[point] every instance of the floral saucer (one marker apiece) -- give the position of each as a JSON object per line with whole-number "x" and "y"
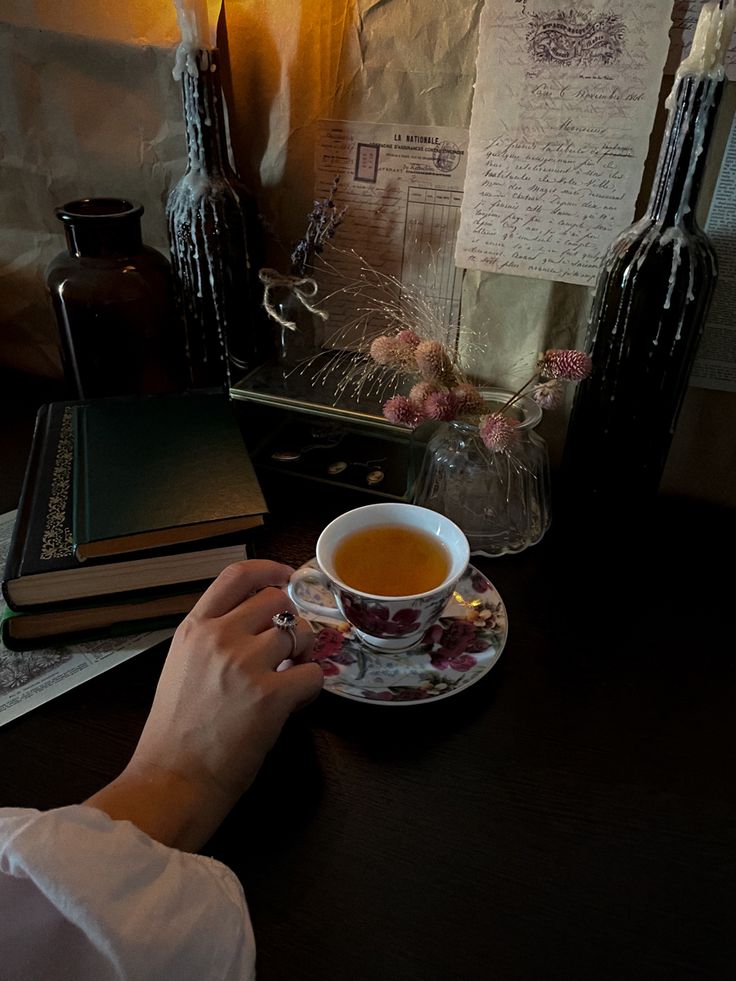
{"x": 460, "y": 647}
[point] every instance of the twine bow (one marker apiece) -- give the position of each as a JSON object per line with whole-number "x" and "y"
{"x": 304, "y": 289}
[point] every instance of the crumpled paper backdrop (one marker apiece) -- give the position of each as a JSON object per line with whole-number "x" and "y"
{"x": 89, "y": 107}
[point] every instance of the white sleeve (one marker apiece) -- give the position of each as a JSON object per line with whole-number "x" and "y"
{"x": 86, "y": 898}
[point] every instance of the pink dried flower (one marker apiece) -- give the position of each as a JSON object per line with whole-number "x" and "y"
{"x": 400, "y": 410}
{"x": 383, "y": 350}
{"x": 468, "y": 399}
{"x": 434, "y": 363}
{"x": 497, "y": 432}
{"x": 393, "y": 351}
{"x": 410, "y": 338}
{"x": 404, "y": 349}
{"x": 570, "y": 365}
{"x": 420, "y": 391}
{"x": 440, "y": 406}
{"x": 548, "y": 394}
{"x": 442, "y": 394}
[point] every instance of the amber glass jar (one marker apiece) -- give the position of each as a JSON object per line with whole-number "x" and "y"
{"x": 112, "y": 296}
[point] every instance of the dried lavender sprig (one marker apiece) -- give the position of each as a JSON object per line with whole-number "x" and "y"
{"x": 323, "y": 220}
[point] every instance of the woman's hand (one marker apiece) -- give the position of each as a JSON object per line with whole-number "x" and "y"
{"x": 219, "y": 707}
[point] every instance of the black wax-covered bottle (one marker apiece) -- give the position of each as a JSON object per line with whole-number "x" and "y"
{"x": 215, "y": 237}
{"x": 648, "y": 313}
{"x": 113, "y": 300}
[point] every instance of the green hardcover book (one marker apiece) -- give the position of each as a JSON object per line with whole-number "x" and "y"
{"x": 153, "y": 472}
{"x": 41, "y": 569}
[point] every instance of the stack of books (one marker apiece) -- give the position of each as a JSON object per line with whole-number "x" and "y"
{"x": 130, "y": 507}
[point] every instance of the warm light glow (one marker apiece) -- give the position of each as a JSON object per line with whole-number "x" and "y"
{"x": 140, "y": 22}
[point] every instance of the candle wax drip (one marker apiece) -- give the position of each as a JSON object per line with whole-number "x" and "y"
{"x": 649, "y": 310}
{"x": 207, "y": 231}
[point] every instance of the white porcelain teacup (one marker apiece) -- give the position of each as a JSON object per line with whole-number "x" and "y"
{"x": 385, "y": 622}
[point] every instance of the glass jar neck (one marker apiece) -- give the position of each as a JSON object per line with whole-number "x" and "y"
{"x": 682, "y": 157}
{"x": 102, "y": 227}
{"x": 204, "y": 114}
{"x": 524, "y": 410}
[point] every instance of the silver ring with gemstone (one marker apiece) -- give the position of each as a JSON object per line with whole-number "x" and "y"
{"x": 286, "y": 620}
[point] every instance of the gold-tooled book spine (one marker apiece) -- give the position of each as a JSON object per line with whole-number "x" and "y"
{"x": 42, "y": 533}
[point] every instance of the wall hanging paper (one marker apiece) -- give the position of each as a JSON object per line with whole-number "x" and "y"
{"x": 563, "y": 107}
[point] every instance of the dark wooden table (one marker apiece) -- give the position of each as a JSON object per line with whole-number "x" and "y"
{"x": 570, "y": 816}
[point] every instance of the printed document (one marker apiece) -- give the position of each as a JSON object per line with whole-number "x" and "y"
{"x": 30, "y": 678}
{"x": 402, "y": 186}
{"x": 715, "y": 364}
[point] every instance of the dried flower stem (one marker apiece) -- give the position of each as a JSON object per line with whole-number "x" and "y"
{"x": 324, "y": 218}
{"x": 517, "y": 394}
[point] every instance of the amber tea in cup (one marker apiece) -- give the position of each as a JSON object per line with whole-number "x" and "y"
{"x": 391, "y": 560}
{"x": 390, "y": 569}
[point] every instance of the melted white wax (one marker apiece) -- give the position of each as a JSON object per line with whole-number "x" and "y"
{"x": 194, "y": 216}
{"x": 704, "y": 62}
{"x": 677, "y": 234}
{"x": 193, "y": 18}
{"x": 710, "y": 43}
{"x": 186, "y": 61}
{"x": 701, "y": 121}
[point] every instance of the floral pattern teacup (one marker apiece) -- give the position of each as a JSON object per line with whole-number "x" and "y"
{"x": 388, "y": 623}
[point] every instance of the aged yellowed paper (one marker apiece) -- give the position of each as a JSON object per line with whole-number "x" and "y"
{"x": 402, "y": 187}
{"x": 563, "y": 107}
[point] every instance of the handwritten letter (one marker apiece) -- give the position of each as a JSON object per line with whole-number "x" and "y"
{"x": 564, "y": 103}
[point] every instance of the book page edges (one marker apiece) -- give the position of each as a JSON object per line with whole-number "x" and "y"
{"x": 165, "y": 536}
{"x": 31, "y": 626}
{"x": 89, "y": 581}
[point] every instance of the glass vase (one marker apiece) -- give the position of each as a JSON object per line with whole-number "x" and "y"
{"x": 500, "y": 500}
